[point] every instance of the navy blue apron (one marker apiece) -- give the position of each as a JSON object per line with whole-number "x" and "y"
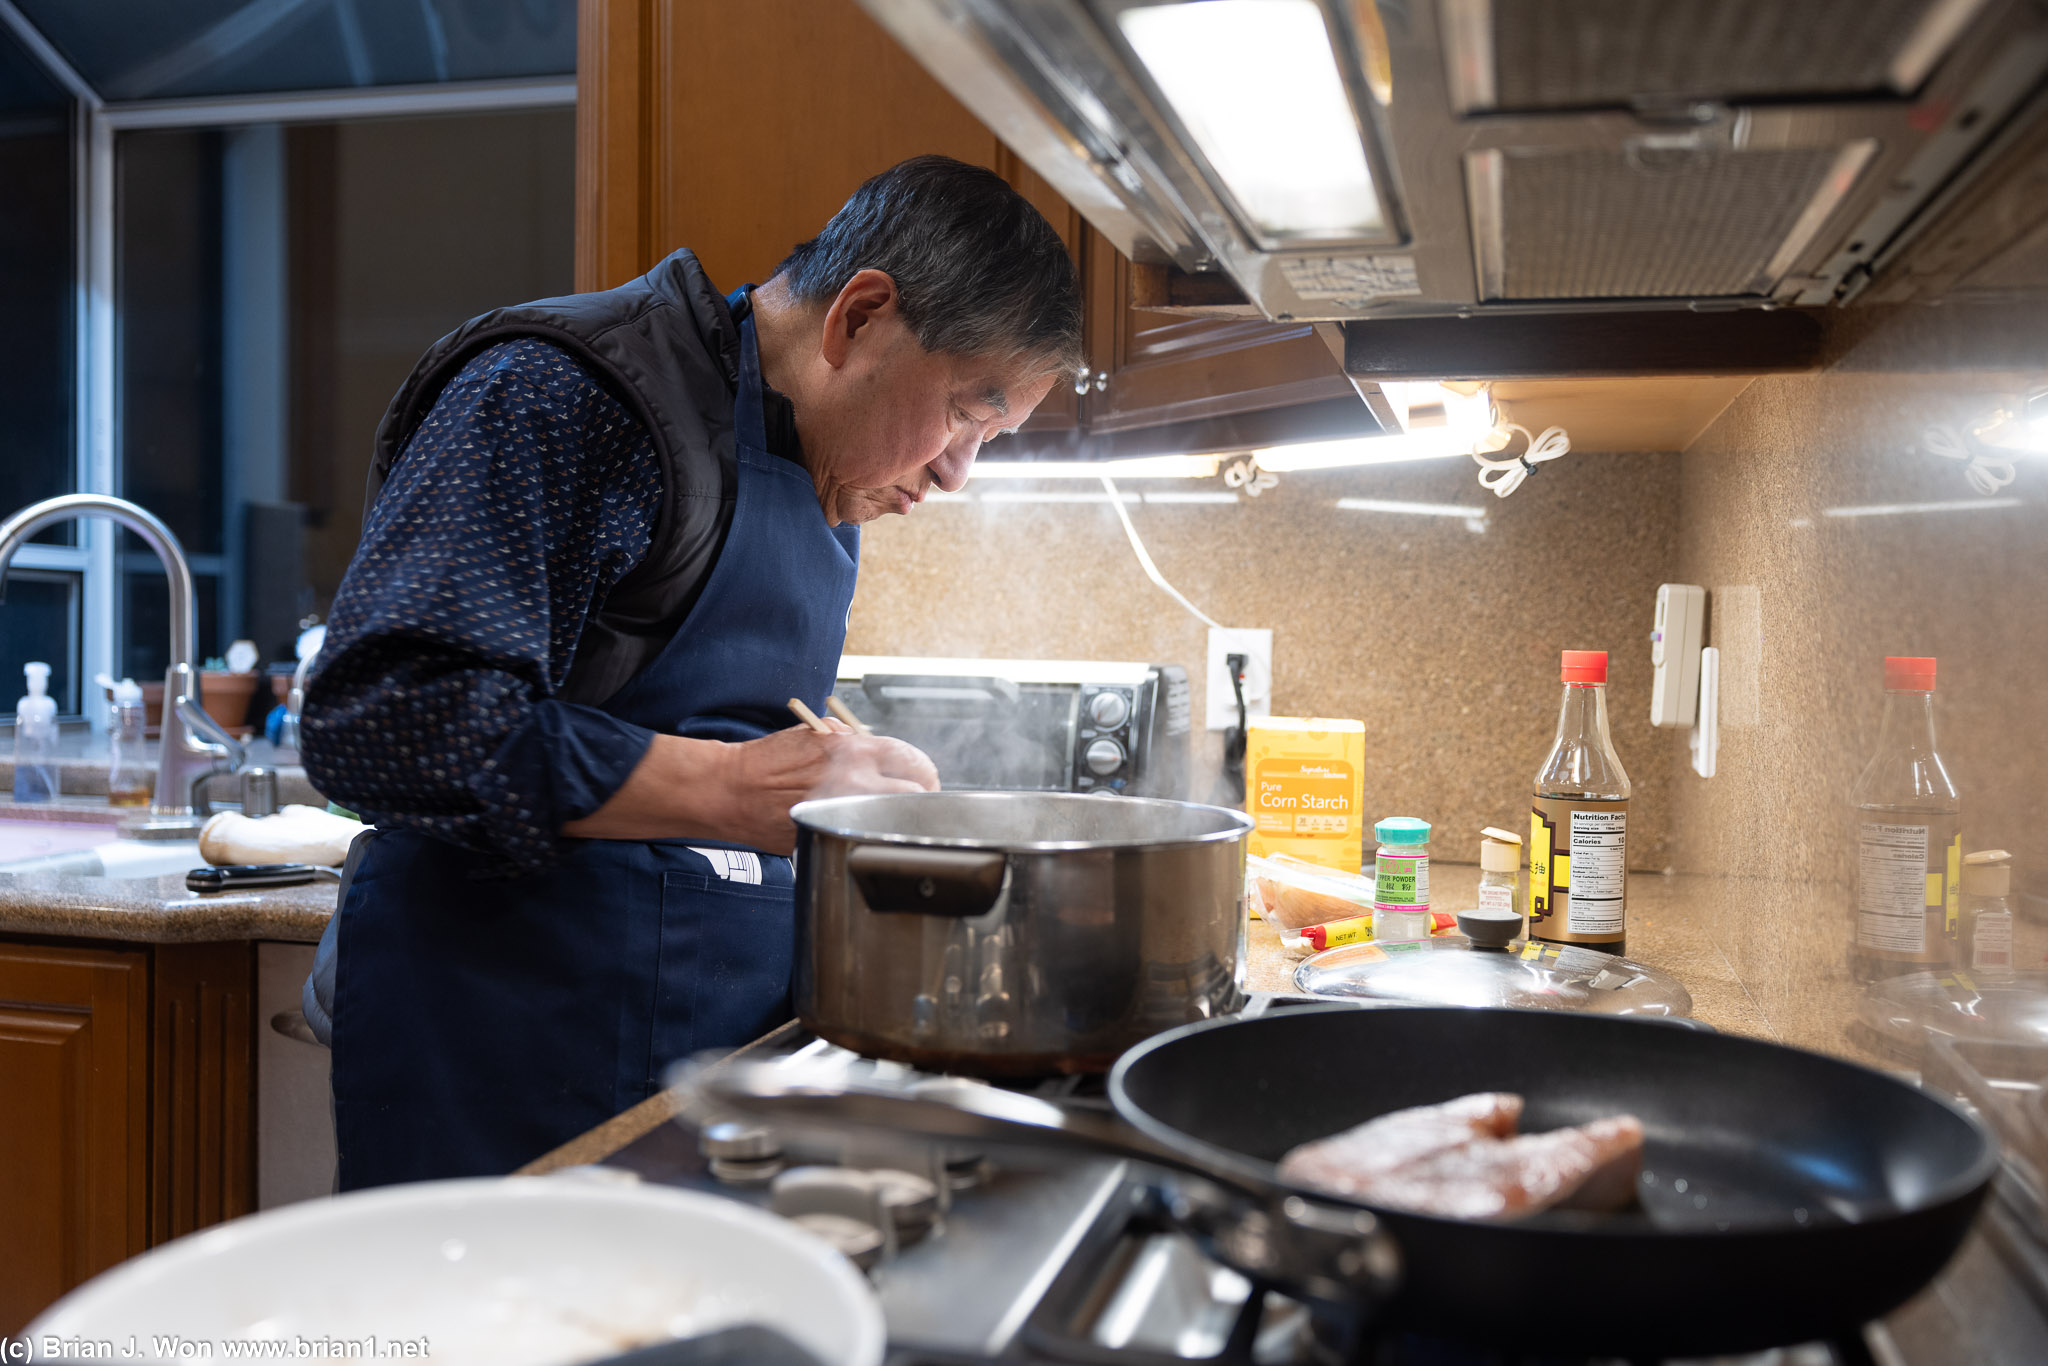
{"x": 479, "y": 1023}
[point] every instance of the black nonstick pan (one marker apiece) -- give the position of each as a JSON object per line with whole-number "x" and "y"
{"x": 1786, "y": 1196}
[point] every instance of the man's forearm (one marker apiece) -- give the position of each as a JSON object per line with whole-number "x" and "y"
{"x": 679, "y": 788}
{"x": 741, "y": 793}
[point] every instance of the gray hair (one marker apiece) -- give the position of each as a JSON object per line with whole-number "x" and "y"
{"x": 978, "y": 271}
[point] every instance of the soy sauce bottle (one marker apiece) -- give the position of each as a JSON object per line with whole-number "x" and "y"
{"x": 1578, "y": 824}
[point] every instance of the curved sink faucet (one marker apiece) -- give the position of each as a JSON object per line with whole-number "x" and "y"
{"x": 185, "y": 759}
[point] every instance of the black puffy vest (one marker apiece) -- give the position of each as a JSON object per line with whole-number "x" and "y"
{"x": 667, "y": 346}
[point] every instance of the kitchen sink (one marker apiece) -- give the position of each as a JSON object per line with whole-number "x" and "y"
{"x": 89, "y": 848}
{"x": 33, "y": 839}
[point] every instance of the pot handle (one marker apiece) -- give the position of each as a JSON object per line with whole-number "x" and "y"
{"x": 922, "y": 881}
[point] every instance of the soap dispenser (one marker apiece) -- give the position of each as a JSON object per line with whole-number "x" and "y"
{"x": 128, "y": 777}
{"x": 35, "y": 738}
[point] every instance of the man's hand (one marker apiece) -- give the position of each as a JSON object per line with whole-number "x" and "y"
{"x": 742, "y": 792}
{"x": 770, "y": 775}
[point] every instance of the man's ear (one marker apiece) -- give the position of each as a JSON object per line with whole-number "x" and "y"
{"x": 865, "y": 298}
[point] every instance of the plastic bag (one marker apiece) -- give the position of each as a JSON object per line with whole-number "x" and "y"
{"x": 1291, "y": 893}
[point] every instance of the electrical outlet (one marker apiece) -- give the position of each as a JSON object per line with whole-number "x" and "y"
{"x": 1257, "y": 648}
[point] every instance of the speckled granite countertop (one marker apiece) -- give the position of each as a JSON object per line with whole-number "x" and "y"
{"x": 158, "y": 910}
{"x": 154, "y": 910}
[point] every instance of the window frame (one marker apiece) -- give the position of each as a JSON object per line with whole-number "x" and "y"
{"x": 95, "y": 125}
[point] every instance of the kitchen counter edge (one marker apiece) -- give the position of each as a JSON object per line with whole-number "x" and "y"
{"x": 159, "y": 910}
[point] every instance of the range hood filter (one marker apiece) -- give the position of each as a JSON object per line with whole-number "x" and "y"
{"x": 1585, "y": 54}
{"x": 1599, "y": 223}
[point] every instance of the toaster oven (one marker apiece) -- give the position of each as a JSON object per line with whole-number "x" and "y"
{"x": 1032, "y": 725}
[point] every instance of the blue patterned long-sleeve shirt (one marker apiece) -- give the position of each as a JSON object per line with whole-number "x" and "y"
{"x": 523, "y": 498}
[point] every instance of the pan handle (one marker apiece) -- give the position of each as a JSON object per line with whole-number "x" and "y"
{"x": 925, "y": 881}
{"x": 1328, "y": 1249}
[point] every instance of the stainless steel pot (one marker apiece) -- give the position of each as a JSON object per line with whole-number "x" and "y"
{"x": 1014, "y": 933}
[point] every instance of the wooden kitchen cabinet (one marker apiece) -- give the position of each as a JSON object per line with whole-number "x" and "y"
{"x": 74, "y": 1136}
{"x": 1154, "y": 367}
{"x": 126, "y": 1105}
{"x": 738, "y": 129}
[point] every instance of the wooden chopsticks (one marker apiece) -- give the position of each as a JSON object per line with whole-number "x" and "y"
{"x": 837, "y": 708}
{"x": 845, "y": 713}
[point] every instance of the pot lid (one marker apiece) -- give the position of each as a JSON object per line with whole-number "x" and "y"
{"x": 1529, "y": 974}
{"x": 1019, "y": 822}
{"x": 2009, "y": 1007}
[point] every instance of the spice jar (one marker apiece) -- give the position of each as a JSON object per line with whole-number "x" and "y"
{"x": 1401, "y": 879}
{"x": 1500, "y": 873}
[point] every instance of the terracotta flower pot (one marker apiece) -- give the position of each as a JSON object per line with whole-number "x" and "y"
{"x": 226, "y": 696}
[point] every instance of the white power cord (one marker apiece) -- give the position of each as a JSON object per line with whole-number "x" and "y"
{"x": 1145, "y": 560}
{"x": 1503, "y": 476}
{"x": 1246, "y": 475}
{"x": 1987, "y": 473}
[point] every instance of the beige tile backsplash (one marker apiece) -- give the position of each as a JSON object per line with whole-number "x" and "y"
{"x": 1442, "y": 639}
{"x": 1811, "y": 584}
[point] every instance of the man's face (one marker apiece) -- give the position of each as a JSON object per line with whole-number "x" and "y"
{"x": 887, "y": 421}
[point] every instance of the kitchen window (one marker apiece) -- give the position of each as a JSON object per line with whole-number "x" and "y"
{"x": 223, "y": 244}
{"x": 38, "y": 365}
{"x": 274, "y": 285}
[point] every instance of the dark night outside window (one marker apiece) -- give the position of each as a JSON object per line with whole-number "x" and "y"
{"x": 168, "y": 364}
{"x": 38, "y": 356}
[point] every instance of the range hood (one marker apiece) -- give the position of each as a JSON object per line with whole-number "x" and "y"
{"x": 1341, "y": 160}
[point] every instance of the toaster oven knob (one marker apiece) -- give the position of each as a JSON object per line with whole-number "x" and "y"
{"x": 1108, "y": 710}
{"x": 1105, "y": 757}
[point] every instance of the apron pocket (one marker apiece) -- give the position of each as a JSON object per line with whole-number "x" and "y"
{"x": 725, "y": 959}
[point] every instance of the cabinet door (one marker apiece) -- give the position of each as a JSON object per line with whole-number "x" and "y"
{"x": 202, "y": 1153}
{"x": 74, "y": 1136}
{"x": 737, "y": 130}
{"x": 1154, "y": 368}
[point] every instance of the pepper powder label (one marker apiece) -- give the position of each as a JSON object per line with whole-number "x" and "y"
{"x": 1401, "y": 880}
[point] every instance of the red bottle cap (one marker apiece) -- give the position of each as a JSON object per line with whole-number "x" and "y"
{"x": 1586, "y": 666}
{"x": 1908, "y": 673}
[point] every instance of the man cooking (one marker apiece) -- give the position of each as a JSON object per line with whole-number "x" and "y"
{"x": 610, "y": 536}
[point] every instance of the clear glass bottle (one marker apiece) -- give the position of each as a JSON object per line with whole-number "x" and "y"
{"x": 1578, "y": 824}
{"x": 1400, "y": 889}
{"x": 35, "y": 738}
{"x": 1907, "y": 837}
{"x": 1987, "y": 914}
{"x": 128, "y": 776}
{"x": 1500, "y": 872}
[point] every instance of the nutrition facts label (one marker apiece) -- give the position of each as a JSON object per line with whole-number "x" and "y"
{"x": 1891, "y": 887}
{"x": 1599, "y": 872}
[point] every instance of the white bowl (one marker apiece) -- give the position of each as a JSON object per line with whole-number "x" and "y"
{"x": 497, "y": 1272}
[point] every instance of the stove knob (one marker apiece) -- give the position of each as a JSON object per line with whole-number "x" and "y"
{"x": 1109, "y": 710}
{"x": 1105, "y": 757}
{"x": 912, "y": 1202}
{"x": 740, "y": 1154}
{"x": 848, "y": 1209}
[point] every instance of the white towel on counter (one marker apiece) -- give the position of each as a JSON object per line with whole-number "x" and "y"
{"x": 296, "y": 834}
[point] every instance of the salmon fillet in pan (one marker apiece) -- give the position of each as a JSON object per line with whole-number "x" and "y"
{"x": 1460, "y": 1160}
{"x": 1351, "y": 1162}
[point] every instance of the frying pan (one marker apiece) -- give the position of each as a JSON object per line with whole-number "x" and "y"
{"x": 1786, "y": 1196}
